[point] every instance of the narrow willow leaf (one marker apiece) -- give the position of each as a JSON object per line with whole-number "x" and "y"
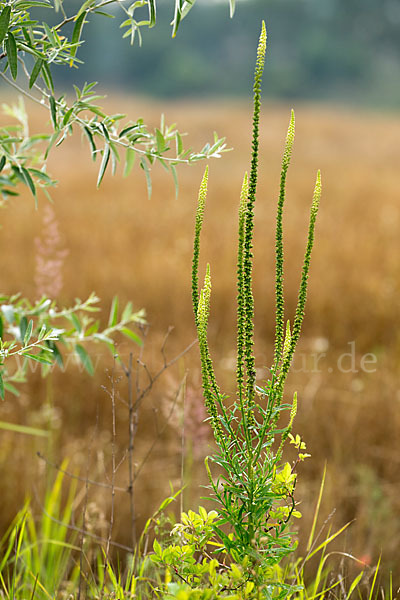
{"x": 51, "y": 35}
{"x": 67, "y": 116}
{"x": 53, "y": 111}
{"x": 37, "y": 67}
{"x": 91, "y": 142}
{"x": 182, "y": 7}
{"x": 76, "y": 34}
{"x": 23, "y": 428}
{"x": 129, "y": 161}
{"x": 93, "y": 328}
{"x": 113, "y": 318}
{"x": 104, "y": 163}
{"x": 8, "y": 312}
{"x": 4, "y": 22}
{"x": 56, "y": 353}
{"x": 11, "y": 48}
{"x": 2, "y": 162}
{"x": 146, "y": 169}
{"x": 85, "y": 6}
{"x": 103, "y": 14}
{"x": 114, "y": 157}
{"x": 152, "y": 13}
{"x": 232, "y": 7}
{"x": 177, "y": 17}
{"x": 85, "y": 359}
{"x": 28, "y": 333}
{"x": 103, "y": 338}
{"x": 43, "y": 331}
{"x": 127, "y": 312}
{"x": 28, "y": 180}
{"x": 161, "y": 145}
{"x": 47, "y": 77}
{"x": 175, "y": 178}
{"x": 23, "y": 325}
{"x": 38, "y": 358}
{"x": 76, "y": 322}
{"x": 41, "y": 175}
{"x": 10, "y": 388}
{"x": 1, "y": 387}
{"x": 179, "y": 143}
{"x": 131, "y": 335}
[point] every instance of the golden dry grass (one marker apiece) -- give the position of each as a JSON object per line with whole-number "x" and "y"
{"x": 121, "y": 242}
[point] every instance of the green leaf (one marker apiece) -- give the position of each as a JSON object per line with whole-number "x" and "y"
{"x": 179, "y": 143}
{"x": 146, "y": 169}
{"x": 152, "y": 13}
{"x": 85, "y": 6}
{"x": 76, "y": 34}
{"x": 51, "y": 35}
{"x": 85, "y": 359}
{"x": 104, "y": 163}
{"x": 157, "y": 548}
{"x": 28, "y": 180}
{"x": 76, "y": 322}
{"x": 37, "y": 67}
{"x": 2, "y": 162}
{"x": 4, "y": 22}
{"x": 161, "y": 145}
{"x": 23, "y": 325}
{"x": 8, "y": 312}
{"x": 91, "y": 142}
{"x": 177, "y": 17}
{"x": 28, "y": 333}
{"x": 93, "y": 328}
{"x": 41, "y": 175}
{"x": 38, "y": 358}
{"x": 53, "y": 111}
{"x": 129, "y": 161}
{"x": 113, "y": 318}
{"x": 11, "y": 48}
{"x": 114, "y": 157}
{"x": 131, "y": 335}
{"x": 354, "y": 584}
{"x": 175, "y": 178}
{"x": 127, "y": 312}
{"x": 23, "y": 428}
{"x": 46, "y": 74}
{"x": 56, "y": 353}
{"x": 103, "y": 338}
{"x": 1, "y": 387}
{"x": 67, "y": 116}
{"x": 9, "y": 387}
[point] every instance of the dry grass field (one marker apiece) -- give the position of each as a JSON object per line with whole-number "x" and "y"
{"x": 121, "y": 242}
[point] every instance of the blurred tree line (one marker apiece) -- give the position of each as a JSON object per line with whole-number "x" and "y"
{"x": 338, "y": 50}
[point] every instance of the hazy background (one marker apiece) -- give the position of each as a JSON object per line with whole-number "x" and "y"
{"x": 337, "y": 62}
{"x": 341, "y": 50}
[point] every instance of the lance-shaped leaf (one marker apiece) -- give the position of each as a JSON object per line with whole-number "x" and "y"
{"x": 37, "y": 67}
{"x": 11, "y": 48}
{"x": 85, "y": 359}
{"x": 4, "y": 22}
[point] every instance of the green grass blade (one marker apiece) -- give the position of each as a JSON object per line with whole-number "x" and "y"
{"x": 316, "y": 512}
{"x": 371, "y": 591}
